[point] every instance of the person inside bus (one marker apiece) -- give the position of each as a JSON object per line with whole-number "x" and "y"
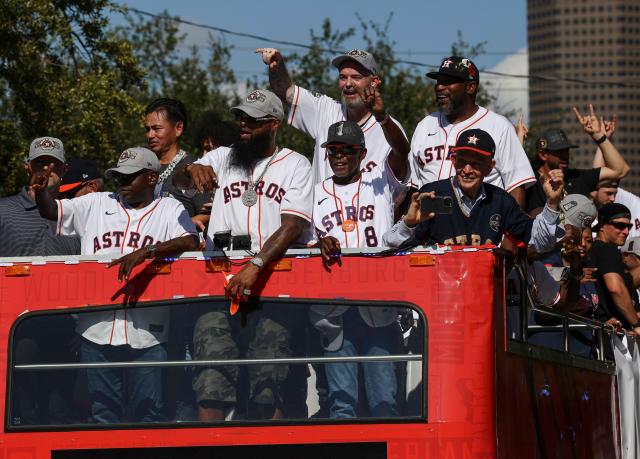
{"x": 477, "y": 213}
{"x": 102, "y": 220}
{"x": 351, "y": 208}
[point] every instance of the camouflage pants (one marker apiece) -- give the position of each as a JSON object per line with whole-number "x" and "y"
{"x": 218, "y": 335}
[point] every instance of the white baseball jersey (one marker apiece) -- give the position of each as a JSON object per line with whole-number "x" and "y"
{"x": 633, "y": 203}
{"x": 368, "y": 202}
{"x": 434, "y": 136}
{"x": 314, "y": 113}
{"x": 285, "y": 188}
{"x": 108, "y": 226}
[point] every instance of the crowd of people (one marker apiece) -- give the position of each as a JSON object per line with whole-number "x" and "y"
{"x": 463, "y": 179}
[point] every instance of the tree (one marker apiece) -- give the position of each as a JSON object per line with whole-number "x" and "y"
{"x": 62, "y": 74}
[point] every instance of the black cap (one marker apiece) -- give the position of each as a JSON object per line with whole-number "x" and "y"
{"x": 80, "y": 170}
{"x": 554, "y": 139}
{"x": 611, "y": 211}
{"x": 475, "y": 141}
{"x": 347, "y": 132}
{"x": 457, "y": 67}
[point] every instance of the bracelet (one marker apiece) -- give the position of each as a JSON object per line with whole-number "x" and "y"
{"x": 601, "y": 140}
{"x": 384, "y": 121}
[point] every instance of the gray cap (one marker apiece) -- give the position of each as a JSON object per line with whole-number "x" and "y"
{"x": 134, "y": 159}
{"x": 46, "y": 146}
{"x": 578, "y": 210}
{"x": 261, "y": 103}
{"x": 364, "y": 58}
{"x": 631, "y": 245}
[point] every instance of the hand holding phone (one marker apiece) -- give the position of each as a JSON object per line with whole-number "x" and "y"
{"x": 436, "y": 205}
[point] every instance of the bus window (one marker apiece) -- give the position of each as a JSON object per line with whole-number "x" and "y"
{"x": 191, "y": 362}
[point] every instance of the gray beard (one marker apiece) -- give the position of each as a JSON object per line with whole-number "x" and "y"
{"x": 357, "y": 104}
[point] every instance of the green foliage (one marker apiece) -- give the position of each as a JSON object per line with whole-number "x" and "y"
{"x": 62, "y": 74}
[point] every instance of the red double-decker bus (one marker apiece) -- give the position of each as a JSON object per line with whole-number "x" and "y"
{"x": 471, "y": 380}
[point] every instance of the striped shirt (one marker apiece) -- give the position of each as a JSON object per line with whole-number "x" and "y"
{"x": 23, "y": 232}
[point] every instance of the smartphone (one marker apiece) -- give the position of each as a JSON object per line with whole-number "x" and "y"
{"x": 438, "y": 205}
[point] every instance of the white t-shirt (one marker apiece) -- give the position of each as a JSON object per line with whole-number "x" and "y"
{"x": 434, "y": 136}
{"x": 285, "y": 188}
{"x": 368, "y": 202}
{"x": 633, "y": 203}
{"x": 110, "y": 227}
{"x": 313, "y": 113}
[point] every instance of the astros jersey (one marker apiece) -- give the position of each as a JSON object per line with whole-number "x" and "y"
{"x": 434, "y": 136}
{"x": 368, "y": 203}
{"x": 313, "y": 114}
{"x": 285, "y": 188}
{"x": 106, "y": 225}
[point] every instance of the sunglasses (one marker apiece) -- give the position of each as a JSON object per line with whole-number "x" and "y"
{"x": 344, "y": 149}
{"x": 242, "y": 116}
{"x": 126, "y": 179}
{"x": 621, "y": 226}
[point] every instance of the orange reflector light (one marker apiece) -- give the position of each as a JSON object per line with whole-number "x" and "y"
{"x": 158, "y": 268}
{"x": 422, "y": 259}
{"x": 281, "y": 265}
{"x": 17, "y": 271}
{"x": 216, "y": 265}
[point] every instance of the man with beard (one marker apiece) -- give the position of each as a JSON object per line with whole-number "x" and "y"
{"x": 313, "y": 113}
{"x": 136, "y": 223}
{"x": 456, "y": 87}
{"x": 553, "y": 149}
{"x": 263, "y": 202}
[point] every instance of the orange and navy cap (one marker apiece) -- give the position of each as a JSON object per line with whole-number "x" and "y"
{"x": 79, "y": 171}
{"x": 475, "y": 141}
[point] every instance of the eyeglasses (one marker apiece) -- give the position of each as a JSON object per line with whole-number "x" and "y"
{"x": 344, "y": 149}
{"x": 621, "y": 226}
{"x": 242, "y": 116}
{"x": 125, "y": 179}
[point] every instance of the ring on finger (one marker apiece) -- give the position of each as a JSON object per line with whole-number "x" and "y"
{"x": 246, "y": 291}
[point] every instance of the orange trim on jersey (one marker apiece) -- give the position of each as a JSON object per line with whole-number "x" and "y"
{"x": 150, "y": 210}
{"x": 126, "y": 335}
{"x": 327, "y": 191}
{"x": 294, "y": 106}
{"x": 357, "y": 210}
{"x": 365, "y": 123}
{"x": 260, "y": 220}
{"x": 521, "y": 182}
{"x": 280, "y": 159}
{"x": 113, "y": 326}
{"x": 124, "y": 236}
{"x": 60, "y": 217}
{"x": 446, "y": 141}
{"x": 291, "y": 211}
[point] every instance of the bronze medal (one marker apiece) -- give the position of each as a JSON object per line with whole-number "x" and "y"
{"x": 348, "y": 226}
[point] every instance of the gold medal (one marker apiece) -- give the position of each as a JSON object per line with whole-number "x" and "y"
{"x": 348, "y": 226}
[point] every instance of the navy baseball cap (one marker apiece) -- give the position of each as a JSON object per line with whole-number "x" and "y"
{"x": 611, "y": 211}
{"x": 553, "y": 140}
{"x": 457, "y": 67}
{"x": 347, "y": 132}
{"x": 80, "y": 171}
{"x": 475, "y": 141}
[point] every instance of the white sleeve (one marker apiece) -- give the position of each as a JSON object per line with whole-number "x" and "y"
{"x": 398, "y": 234}
{"x": 415, "y": 179}
{"x": 73, "y": 214}
{"x": 547, "y": 290}
{"x": 395, "y": 186}
{"x": 214, "y": 158}
{"x": 307, "y": 109}
{"x": 512, "y": 161}
{"x": 298, "y": 200}
{"x": 184, "y": 224}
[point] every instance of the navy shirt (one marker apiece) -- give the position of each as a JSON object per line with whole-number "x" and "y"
{"x": 23, "y": 232}
{"x": 497, "y": 213}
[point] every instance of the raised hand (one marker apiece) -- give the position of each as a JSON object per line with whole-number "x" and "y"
{"x": 414, "y": 214}
{"x": 590, "y": 123}
{"x": 270, "y": 56}
{"x": 522, "y": 131}
{"x": 609, "y": 126}
{"x": 372, "y": 99}
{"x": 40, "y": 180}
{"x": 553, "y": 186}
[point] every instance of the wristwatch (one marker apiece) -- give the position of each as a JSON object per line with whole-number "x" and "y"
{"x": 151, "y": 250}
{"x": 259, "y": 262}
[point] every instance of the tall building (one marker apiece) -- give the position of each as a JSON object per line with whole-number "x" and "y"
{"x": 598, "y": 43}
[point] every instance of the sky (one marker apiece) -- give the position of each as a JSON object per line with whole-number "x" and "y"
{"x": 423, "y": 31}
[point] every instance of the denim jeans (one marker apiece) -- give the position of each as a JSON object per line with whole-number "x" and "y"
{"x": 380, "y": 381}
{"x": 124, "y": 394}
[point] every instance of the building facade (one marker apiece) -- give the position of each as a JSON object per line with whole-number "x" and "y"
{"x": 588, "y": 51}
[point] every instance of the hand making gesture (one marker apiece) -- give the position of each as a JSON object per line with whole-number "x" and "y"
{"x": 372, "y": 98}
{"x": 270, "y": 56}
{"x": 40, "y": 180}
{"x": 522, "y": 131}
{"x": 591, "y": 124}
